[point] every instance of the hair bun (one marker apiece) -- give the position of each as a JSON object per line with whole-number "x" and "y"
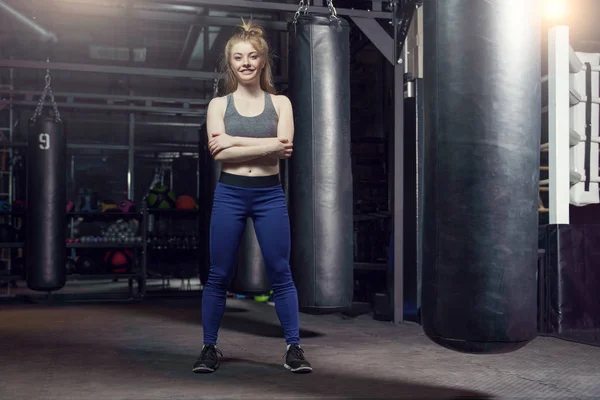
{"x": 251, "y": 28}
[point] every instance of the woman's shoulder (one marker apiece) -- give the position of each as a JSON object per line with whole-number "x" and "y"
{"x": 280, "y": 100}
{"x": 218, "y": 102}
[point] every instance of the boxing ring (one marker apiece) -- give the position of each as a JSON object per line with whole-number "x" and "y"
{"x": 568, "y": 277}
{"x": 573, "y": 136}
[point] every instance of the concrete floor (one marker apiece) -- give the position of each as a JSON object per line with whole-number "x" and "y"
{"x": 145, "y": 350}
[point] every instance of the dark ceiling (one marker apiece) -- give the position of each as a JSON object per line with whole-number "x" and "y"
{"x": 171, "y": 35}
{"x": 143, "y": 34}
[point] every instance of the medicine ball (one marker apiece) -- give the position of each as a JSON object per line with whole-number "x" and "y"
{"x": 127, "y": 206}
{"x": 185, "y": 202}
{"x": 161, "y": 197}
{"x": 118, "y": 261}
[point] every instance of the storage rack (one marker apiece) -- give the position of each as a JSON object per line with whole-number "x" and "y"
{"x": 182, "y": 108}
{"x": 138, "y": 275}
{"x": 6, "y": 182}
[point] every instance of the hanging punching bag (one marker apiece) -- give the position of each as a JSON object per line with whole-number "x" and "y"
{"x": 482, "y": 140}
{"x": 206, "y": 165}
{"x": 46, "y": 204}
{"x": 251, "y": 275}
{"x": 320, "y": 177}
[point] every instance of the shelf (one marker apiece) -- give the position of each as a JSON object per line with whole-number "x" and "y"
{"x": 11, "y": 277}
{"x": 15, "y": 245}
{"x": 105, "y": 214}
{"x": 103, "y": 245}
{"x": 82, "y": 277}
{"x": 174, "y": 211}
{"x": 116, "y": 214}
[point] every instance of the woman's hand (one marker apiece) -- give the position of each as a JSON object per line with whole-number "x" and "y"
{"x": 220, "y": 142}
{"x": 283, "y": 148}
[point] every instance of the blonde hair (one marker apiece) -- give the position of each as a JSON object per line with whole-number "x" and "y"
{"x": 254, "y": 34}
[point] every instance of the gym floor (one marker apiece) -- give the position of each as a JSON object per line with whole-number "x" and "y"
{"x": 145, "y": 350}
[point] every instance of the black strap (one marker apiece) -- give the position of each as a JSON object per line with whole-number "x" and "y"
{"x": 588, "y": 125}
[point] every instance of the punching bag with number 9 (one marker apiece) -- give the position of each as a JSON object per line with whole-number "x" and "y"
{"x": 46, "y": 198}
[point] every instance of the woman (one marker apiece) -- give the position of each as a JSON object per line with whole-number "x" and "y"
{"x": 249, "y": 131}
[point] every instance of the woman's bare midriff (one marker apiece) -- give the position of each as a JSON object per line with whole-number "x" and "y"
{"x": 265, "y": 166}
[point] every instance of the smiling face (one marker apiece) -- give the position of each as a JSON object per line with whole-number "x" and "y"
{"x": 246, "y": 63}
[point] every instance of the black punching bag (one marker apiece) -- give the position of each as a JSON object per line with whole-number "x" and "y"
{"x": 482, "y": 138}
{"x": 207, "y": 186}
{"x": 46, "y": 204}
{"x": 251, "y": 275}
{"x": 320, "y": 170}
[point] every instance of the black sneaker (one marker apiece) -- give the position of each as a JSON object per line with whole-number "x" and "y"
{"x": 208, "y": 360}
{"x": 295, "y": 361}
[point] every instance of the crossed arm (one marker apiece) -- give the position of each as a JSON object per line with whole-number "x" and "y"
{"x": 234, "y": 149}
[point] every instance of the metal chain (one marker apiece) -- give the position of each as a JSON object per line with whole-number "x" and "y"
{"x": 40, "y": 106}
{"x": 332, "y": 10}
{"x": 216, "y": 81}
{"x": 302, "y": 9}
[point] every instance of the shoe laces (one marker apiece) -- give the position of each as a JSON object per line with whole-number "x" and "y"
{"x": 295, "y": 351}
{"x": 210, "y": 352}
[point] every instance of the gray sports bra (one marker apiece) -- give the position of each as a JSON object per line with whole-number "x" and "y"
{"x": 263, "y": 125}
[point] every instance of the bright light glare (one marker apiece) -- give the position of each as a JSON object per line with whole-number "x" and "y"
{"x": 556, "y": 9}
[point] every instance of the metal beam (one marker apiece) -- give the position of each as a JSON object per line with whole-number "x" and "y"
{"x": 212, "y": 54}
{"x": 378, "y": 36}
{"x": 188, "y": 46}
{"x": 131, "y": 158}
{"x": 108, "y": 69}
{"x": 405, "y": 16}
{"x": 398, "y": 185}
{"x": 164, "y": 147}
{"x": 137, "y": 122}
{"x": 153, "y": 15}
{"x": 44, "y": 34}
{"x": 398, "y": 193}
{"x": 231, "y": 22}
{"x": 110, "y": 97}
{"x": 114, "y": 107}
{"x": 273, "y": 6}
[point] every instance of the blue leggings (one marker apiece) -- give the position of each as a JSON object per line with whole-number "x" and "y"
{"x": 235, "y": 199}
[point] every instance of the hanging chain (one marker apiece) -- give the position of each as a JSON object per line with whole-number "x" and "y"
{"x": 40, "y": 106}
{"x": 216, "y": 84}
{"x": 215, "y": 93}
{"x": 302, "y": 9}
{"x": 332, "y": 10}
